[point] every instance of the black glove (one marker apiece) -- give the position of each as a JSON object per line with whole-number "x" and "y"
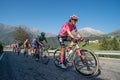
{"x": 74, "y": 39}
{"x": 83, "y": 39}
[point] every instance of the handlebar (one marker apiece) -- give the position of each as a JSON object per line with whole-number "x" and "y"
{"x": 46, "y": 46}
{"x": 85, "y": 41}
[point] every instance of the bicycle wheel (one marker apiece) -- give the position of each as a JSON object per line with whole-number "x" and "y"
{"x": 56, "y": 57}
{"x": 89, "y": 66}
{"x": 44, "y": 54}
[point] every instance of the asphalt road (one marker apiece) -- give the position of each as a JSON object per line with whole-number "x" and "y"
{"x": 110, "y": 68}
{"x": 14, "y": 67}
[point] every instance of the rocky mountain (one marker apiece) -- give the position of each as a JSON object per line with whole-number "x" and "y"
{"x": 115, "y": 32}
{"x": 86, "y": 32}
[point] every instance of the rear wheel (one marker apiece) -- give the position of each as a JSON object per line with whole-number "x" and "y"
{"x": 88, "y": 66}
{"x": 56, "y": 57}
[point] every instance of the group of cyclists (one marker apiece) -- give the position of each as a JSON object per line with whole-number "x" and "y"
{"x": 65, "y": 34}
{"x": 33, "y": 46}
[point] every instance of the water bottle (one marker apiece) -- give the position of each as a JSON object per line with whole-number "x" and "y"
{"x": 70, "y": 55}
{"x": 70, "y": 52}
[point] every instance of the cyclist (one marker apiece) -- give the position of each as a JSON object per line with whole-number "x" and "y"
{"x": 26, "y": 46}
{"x": 42, "y": 38}
{"x": 35, "y": 45}
{"x": 65, "y": 34}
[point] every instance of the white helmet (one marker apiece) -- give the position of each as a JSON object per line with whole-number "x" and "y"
{"x": 74, "y": 17}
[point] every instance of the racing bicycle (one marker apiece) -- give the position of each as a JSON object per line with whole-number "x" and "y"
{"x": 87, "y": 64}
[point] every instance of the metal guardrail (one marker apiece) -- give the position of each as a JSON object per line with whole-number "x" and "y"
{"x": 108, "y": 52}
{"x": 99, "y": 52}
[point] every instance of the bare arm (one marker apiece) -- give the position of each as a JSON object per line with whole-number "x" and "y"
{"x": 70, "y": 34}
{"x": 39, "y": 43}
{"x": 78, "y": 34}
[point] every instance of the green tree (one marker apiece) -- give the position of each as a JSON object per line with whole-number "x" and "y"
{"x": 109, "y": 44}
{"x": 21, "y": 34}
{"x": 114, "y": 44}
{"x": 104, "y": 44}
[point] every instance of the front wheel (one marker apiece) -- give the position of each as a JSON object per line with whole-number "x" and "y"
{"x": 89, "y": 66}
{"x": 44, "y": 55}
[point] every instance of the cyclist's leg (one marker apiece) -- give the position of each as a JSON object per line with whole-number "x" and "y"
{"x": 61, "y": 56}
{"x": 62, "y": 44}
{"x": 30, "y": 51}
{"x": 37, "y": 52}
{"x": 26, "y": 49}
{"x": 34, "y": 49}
{"x": 69, "y": 39}
{"x": 18, "y": 49}
{"x": 34, "y": 52}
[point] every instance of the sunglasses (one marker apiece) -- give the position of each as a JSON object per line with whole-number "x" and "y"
{"x": 75, "y": 19}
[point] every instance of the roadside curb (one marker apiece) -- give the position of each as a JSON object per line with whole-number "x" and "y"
{"x": 1, "y": 56}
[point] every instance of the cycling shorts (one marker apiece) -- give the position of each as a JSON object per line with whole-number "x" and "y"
{"x": 34, "y": 45}
{"x": 62, "y": 40}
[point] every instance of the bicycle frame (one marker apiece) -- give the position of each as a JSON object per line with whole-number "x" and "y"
{"x": 43, "y": 48}
{"x": 76, "y": 50}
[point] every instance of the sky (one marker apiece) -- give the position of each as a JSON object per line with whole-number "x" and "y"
{"x": 50, "y": 15}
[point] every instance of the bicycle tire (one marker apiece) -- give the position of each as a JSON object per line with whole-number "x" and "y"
{"x": 45, "y": 57}
{"x": 85, "y": 69}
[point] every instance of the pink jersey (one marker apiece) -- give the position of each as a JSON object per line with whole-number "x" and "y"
{"x": 65, "y": 27}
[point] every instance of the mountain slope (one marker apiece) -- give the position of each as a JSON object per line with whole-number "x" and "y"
{"x": 6, "y": 32}
{"x": 86, "y": 32}
{"x": 116, "y": 32}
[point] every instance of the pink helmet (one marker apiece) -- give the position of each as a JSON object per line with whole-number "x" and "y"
{"x": 74, "y": 17}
